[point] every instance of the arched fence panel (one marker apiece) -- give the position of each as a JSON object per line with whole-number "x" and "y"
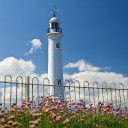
{"x": 21, "y": 87}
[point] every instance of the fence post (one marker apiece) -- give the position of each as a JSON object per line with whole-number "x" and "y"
{"x": 27, "y": 88}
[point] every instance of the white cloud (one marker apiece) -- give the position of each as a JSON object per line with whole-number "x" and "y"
{"x": 14, "y": 67}
{"x": 91, "y": 74}
{"x": 36, "y": 44}
{"x": 83, "y": 66}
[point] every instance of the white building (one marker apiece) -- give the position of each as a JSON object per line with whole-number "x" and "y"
{"x": 55, "y": 67}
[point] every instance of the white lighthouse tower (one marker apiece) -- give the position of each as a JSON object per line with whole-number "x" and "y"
{"x": 55, "y": 67}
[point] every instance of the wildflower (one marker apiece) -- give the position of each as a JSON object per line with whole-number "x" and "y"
{"x": 11, "y": 110}
{"x": 65, "y": 114}
{"x": 57, "y": 119}
{"x": 1, "y": 115}
{"x": 53, "y": 116}
{"x": 84, "y": 116}
{"x": 26, "y": 107}
{"x": 117, "y": 113}
{"x": 34, "y": 115}
{"x": 20, "y": 125}
{"x": 21, "y": 118}
{"x": 30, "y": 122}
{"x": 47, "y": 110}
{"x": 15, "y": 124}
{"x": 64, "y": 122}
{"x": 123, "y": 116}
{"x": 90, "y": 104}
{"x": 6, "y": 126}
{"x": 67, "y": 120}
{"x": 11, "y": 118}
{"x": 5, "y": 107}
{"x": 81, "y": 100}
{"x": 82, "y": 120}
{"x": 94, "y": 123}
{"x": 28, "y": 97}
{"x": 32, "y": 126}
{"x": 35, "y": 123}
{"x": 50, "y": 122}
{"x": 74, "y": 117}
{"x": 99, "y": 102}
{"x": 10, "y": 122}
{"x": 39, "y": 120}
{"x": 110, "y": 103}
{"x": 2, "y": 121}
{"x": 125, "y": 107}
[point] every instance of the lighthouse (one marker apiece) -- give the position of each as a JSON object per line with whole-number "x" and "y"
{"x": 55, "y": 67}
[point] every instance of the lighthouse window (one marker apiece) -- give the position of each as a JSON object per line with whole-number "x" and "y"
{"x": 57, "y": 46}
{"x": 59, "y": 82}
{"x": 54, "y": 25}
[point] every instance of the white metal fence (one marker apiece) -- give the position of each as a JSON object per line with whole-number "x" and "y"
{"x": 118, "y": 94}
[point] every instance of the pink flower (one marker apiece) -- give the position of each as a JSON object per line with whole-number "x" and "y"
{"x": 117, "y": 113}
{"x": 90, "y": 104}
{"x": 84, "y": 116}
{"x": 81, "y": 100}
{"x": 64, "y": 122}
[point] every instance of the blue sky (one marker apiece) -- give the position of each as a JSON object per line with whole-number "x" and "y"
{"x": 94, "y": 46}
{"x": 94, "y": 30}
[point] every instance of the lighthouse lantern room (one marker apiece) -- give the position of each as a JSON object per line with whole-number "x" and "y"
{"x": 55, "y": 67}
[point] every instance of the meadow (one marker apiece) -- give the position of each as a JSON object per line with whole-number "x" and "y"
{"x": 52, "y": 112}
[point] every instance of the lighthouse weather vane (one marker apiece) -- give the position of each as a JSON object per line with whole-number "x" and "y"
{"x": 54, "y": 12}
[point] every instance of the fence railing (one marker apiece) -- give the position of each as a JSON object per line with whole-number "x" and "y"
{"x": 118, "y": 94}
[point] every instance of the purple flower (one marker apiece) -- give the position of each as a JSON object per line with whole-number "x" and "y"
{"x": 117, "y": 113}
{"x": 65, "y": 114}
{"x": 110, "y": 103}
{"x": 28, "y": 104}
{"x": 59, "y": 102}
{"x": 32, "y": 126}
{"x": 53, "y": 116}
{"x": 40, "y": 103}
{"x": 84, "y": 116}
{"x": 57, "y": 105}
{"x": 90, "y": 104}
{"x": 64, "y": 122}
{"x": 28, "y": 97}
{"x": 123, "y": 116}
{"x": 76, "y": 111}
{"x": 74, "y": 117}
{"x": 1, "y": 115}
{"x": 99, "y": 102}
{"x": 81, "y": 100}
{"x": 57, "y": 119}
{"x": 21, "y": 118}
{"x": 125, "y": 107}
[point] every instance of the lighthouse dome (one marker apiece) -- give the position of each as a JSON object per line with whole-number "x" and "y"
{"x": 54, "y": 19}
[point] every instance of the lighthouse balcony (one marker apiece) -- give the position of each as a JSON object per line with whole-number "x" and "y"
{"x": 50, "y": 30}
